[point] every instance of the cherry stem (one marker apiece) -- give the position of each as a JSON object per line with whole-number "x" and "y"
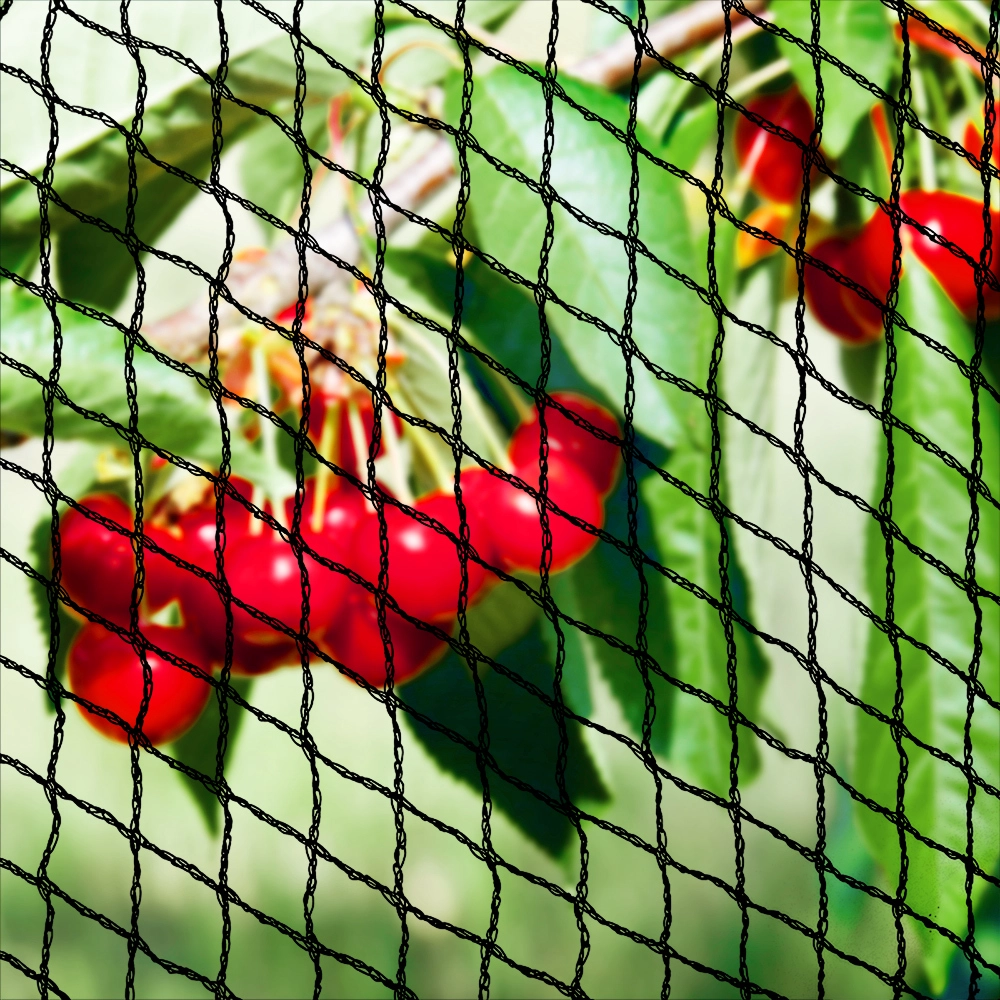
{"x": 328, "y": 448}
{"x": 268, "y": 441}
{"x": 438, "y": 469}
{"x": 400, "y": 488}
{"x": 754, "y": 80}
{"x": 881, "y": 128}
{"x": 476, "y": 409}
{"x": 925, "y": 146}
{"x": 394, "y": 452}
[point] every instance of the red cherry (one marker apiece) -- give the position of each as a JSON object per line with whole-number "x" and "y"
{"x": 424, "y": 566}
{"x": 972, "y": 140}
{"x": 959, "y": 219}
{"x": 98, "y": 565}
{"x": 510, "y": 516}
{"x": 598, "y": 458}
{"x": 287, "y": 315}
{"x": 264, "y": 573}
{"x": 864, "y": 258}
{"x": 775, "y": 163}
{"x": 345, "y": 509}
{"x": 191, "y": 536}
{"x": 356, "y": 641}
{"x": 105, "y": 670}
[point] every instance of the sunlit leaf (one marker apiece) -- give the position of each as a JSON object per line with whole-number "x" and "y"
{"x": 93, "y": 176}
{"x": 271, "y": 166}
{"x": 931, "y": 506}
{"x": 96, "y": 72}
{"x": 174, "y": 411}
{"x": 586, "y": 268}
{"x": 488, "y": 13}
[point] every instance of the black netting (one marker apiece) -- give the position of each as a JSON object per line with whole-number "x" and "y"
{"x": 316, "y": 261}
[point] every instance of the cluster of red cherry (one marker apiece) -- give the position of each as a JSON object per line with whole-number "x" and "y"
{"x": 774, "y": 169}
{"x": 337, "y": 523}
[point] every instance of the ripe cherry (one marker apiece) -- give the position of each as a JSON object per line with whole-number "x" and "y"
{"x": 105, "y": 670}
{"x": 333, "y": 533}
{"x": 864, "y": 259}
{"x": 972, "y": 141}
{"x": 190, "y": 535}
{"x": 98, "y": 564}
{"x": 509, "y": 516}
{"x": 263, "y": 571}
{"x": 598, "y": 458}
{"x": 774, "y": 163}
{"x": 356, "y": 641}
{"x": 959, "y": 219}
{"x": 424, "y": 566}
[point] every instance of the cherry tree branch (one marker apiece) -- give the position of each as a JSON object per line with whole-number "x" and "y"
{"x": 671, "y": 35}
{"x": 269, "y": 283}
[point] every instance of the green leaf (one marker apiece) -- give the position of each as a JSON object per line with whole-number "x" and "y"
{"x": 97, "y": 72}
{"x": 94, "y": 267}
{"x": 931, "y": 506}
{"x": 498, "y": 316}
{"x": 691, "y": 133}
{"x": 93, "y": 177}
{"x": 587, "y": 269}
{"x": 40, "y": 555}
{"x": 607, "y": 593}
{"x": 863, "y": 163}
{"x": 504, "y": 616}
{"x": 174, "y": 411}
{"x": 198, "y": 748}
{"x": 271, "y": 167}
{"x": 19, "y": 253}
{"x": 862, "y": 367}
{"x": 860, "y": 35}
{"x": 491, "y": 14}
{"x": 576, "y": 655}
{"x": 688, "y": 538}
{"x": 523, "y": 737}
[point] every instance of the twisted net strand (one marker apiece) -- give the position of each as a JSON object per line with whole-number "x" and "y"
{"x": 978, "y": 699}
